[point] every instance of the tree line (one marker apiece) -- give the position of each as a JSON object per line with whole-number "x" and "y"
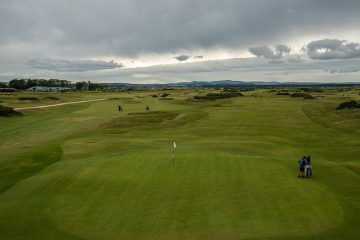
{"x": 23, "y": 84}
{"x": 89, "y": 86}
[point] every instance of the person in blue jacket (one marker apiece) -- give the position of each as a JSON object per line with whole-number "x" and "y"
{"x": 302, "y": 163}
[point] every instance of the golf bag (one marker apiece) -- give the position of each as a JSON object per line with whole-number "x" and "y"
{"x": 308, "y": 171}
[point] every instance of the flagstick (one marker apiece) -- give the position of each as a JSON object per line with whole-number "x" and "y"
{"x": 173, "y": 156}
{"x": 174, "y": 153}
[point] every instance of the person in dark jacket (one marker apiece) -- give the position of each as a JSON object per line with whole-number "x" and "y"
{"x": 302, "y": 163}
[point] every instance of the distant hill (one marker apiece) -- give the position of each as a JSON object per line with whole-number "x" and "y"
{"x": 227, "y": 83}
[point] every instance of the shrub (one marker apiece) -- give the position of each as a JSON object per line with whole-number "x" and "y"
{"x": 349, "y": 105}
{"x": 214, "y": 96}
{"x": 8, "y": 111}
{"x": 282, "y": 93}
{"x": 230, "y": 90}
{"x": 308, "y": 96}
{"x": 154, "y": 96}
{"x": 28, "y": 98}
{"x": 247, "y": 89}
{"x": 316, "y": 90}
{"x": 296, "y": 95}
{"x": 303, "y": 95}
{"x": 165, "y": 94}
{"x": 311, "y": 89}
{"x": 52, "y": 98}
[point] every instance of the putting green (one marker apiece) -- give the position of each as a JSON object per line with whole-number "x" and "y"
{"x": 91, "y": 172}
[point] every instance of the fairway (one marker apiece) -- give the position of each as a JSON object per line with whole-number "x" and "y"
{"x": 89, "y": 171}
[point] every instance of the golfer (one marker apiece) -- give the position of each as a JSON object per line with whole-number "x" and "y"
{"x": 302, "y": 163}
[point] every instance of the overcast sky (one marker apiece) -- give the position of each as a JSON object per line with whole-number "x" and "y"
{"x": 142, "y": 41}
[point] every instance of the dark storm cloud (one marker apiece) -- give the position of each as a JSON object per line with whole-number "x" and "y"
{"x": 182, "y": 58}
{"x": 86, "y": 28}
{"x": 72, "y": 66}
{"x": 282, "y": 49}
{"x": 333, "y": 49}
{"x": 262, "y": 51}
{"x": 34, "y": 30}
{"x": 266, "y": 52}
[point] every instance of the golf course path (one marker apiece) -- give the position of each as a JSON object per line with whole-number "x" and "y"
{"x": 60, "y": 104}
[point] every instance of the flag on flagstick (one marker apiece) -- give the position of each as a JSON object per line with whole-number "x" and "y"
{"x": 174, "y": 153}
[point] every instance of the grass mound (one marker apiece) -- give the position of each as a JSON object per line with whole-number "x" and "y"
{"x": 32, "y": 161}
{"x": 141, "y": 118}
{"x": 303, "y": 95}
{"x": 349, "y": 105}
{"x": 28, "y": 98}
{"x": 7, "y": 111}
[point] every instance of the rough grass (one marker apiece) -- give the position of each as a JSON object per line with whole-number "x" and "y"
{"x": 52, "y": 98}
{"x": 28, "y": 98}
{"x": 8, "y": 111}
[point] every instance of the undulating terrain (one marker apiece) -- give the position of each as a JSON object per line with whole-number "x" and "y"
{"x": 89, "y": 171}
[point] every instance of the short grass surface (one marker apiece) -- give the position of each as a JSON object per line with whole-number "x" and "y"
{"x": 88, "y": 171}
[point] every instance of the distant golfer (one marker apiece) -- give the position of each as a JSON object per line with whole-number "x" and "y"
{"x": 120, "y": 108}
{"x": 302, "y": 163}
{"x": 147, "y": 108}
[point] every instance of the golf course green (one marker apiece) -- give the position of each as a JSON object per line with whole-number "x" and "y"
{"x": 88, "y": 171}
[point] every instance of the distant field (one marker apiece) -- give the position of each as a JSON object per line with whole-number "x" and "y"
{"x": 88, "y": 171}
